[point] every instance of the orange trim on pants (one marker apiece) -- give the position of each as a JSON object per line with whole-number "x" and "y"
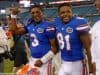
{"x": 49, "y": 69}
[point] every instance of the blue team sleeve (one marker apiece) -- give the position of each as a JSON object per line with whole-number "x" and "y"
{"x": 25, "y": 27}
{"x": 83, "y": 26}
{"x": 50, "y": 32}
{"x": 29, "y": 21}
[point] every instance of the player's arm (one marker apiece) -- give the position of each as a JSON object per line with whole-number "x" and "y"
{"x": 49, "y": 55}
{"x": 83, "y": 30}
{"x": 14, "y": 29}
{"x": 50, "y": 33}
{"x": 85, "y": 38}
{"x": 52, "y": 39}
{"x": 13, "y": 21}
{"x": 54, "y": 48}
{"x": 94, "y": 68}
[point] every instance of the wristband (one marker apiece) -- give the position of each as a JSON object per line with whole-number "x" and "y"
{"x": 47, "y": 57}
{"x": 13, "y": 16}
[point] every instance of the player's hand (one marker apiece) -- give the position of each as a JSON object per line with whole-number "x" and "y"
{"x": 90, "y": 68}
{"x": 94, "y": 68}
{"x": 15, "y": 10}
{"x": 38, "y": 63}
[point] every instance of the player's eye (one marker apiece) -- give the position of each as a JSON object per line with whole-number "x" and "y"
{"x": 36, "y": 12}
{"x": 62, "y": 12}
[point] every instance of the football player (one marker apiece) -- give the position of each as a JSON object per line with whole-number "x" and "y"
{"x": 42, "y": 38}
{"x": 73, "y": 37}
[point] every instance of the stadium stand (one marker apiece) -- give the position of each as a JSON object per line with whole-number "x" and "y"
{"x": 88, "y": 11}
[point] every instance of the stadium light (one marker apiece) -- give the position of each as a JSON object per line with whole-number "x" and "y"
{"x": 66, "y": 1}
{"x": 25, "y": 3}
{"x": 2, "y": 11}
{"x": 41, "y": 3}
{"x": 59, "y": 2}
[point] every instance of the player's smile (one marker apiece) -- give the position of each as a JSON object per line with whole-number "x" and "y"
{"x": 65, "y": 13}
{"x": 65, "y": 19}
{"x": 37, "y": 14}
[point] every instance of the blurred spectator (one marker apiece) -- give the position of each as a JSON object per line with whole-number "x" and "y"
{"x": 95, "y": 48}
{"x": 3, "y": 48}
{"x": 20, "y": 51}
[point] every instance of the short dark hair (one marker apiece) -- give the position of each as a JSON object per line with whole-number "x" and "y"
{"x": 36, "y": 6}
{"x": 65, "y": 4}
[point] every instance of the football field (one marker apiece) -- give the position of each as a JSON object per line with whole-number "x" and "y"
{"x": 8, "y": 65}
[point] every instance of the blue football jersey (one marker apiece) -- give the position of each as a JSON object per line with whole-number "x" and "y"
{"x": 68, "y": 36}
{"x": 40, "y": 35}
